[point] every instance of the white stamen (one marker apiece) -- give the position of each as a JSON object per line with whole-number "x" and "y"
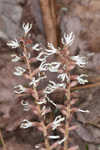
{"x": 13, "y": 43}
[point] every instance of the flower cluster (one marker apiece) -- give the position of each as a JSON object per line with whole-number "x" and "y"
{"x": 43, "y": 105}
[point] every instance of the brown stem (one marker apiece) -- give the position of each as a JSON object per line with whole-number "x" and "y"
{"x": 48, "y": 20}
{"x": 68, "y": 116}
{"x": 86, "y": 86}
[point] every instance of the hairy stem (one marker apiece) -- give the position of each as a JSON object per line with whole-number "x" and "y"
{"x": 36, "y": 99}
{"x": 68, "y": 115}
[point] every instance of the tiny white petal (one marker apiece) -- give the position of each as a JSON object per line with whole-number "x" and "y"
{"x": 53, "y": 86}
{"x": 13, "y": 43}
{"x": 57, "y": 122}
{"x": 86, "y": 111}
{"x": 54, "y": 137}
{"x": 15, "y": 58}
{"x": 63, "y": 76}
{"x": 27, "y": 27}
{"x": 42, "y": 56}
{"x": 80, "y": 80}
{"x": 44, "y": 66}
{"x": 49, "y": 100}
{"x": 80, "y": 61}
{"x": 19, "y": 71}
{"x": 53, "y": 67}
{"x": 36, "y": 47}
{"x": 43, "y": 101}
{"x": 20, "y": 89}
{"x": 26, "y": 105}
{"x": 26, "y": 124}
{"x": 52, "y": 49}
{"x": 68, "y": 39}
{"x": 35, "y": 81}
{"x": 45, "y": 110}
{"x": 61, "y": 141}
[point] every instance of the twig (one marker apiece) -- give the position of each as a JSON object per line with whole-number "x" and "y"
{"x": 86, "y": 86}
{"x": 48, "y": 20}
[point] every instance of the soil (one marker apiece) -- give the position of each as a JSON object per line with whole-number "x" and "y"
{"x": 78, "y": 16}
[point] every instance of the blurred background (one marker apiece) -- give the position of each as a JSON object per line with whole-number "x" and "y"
{"x": 82, "y": 17}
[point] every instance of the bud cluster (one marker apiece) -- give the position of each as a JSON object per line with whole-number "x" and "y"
{"x": 43, "y": 105}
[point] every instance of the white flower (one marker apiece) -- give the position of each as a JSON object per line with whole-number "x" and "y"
{"x": 19, "y": 71}
{"x": 15, "y": 58}
{"x": 34, "y": 81}
{"x": 42, "y": 56}
{"x": 63, "y": 76}
{"x": 26, "y": 105}
{"x": 27, "y": 27}
{"x": 53, "y": 67}
{"x": 86, "y": 111}
{"x": 51, "y": 51}
{"x": 80, "y": 80}
{"x": 26, "y": 124}
{"x": 13, "y": 44}
{"x": 80, "y": 61}
{"x": 20, "y": 89}
{"x": 57, "y": 122}
{"x": 68, "y": 39}
{"x": 53, "y": 86}
{"x": 54, "y": 137}
{"x": 36, "y": 47}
